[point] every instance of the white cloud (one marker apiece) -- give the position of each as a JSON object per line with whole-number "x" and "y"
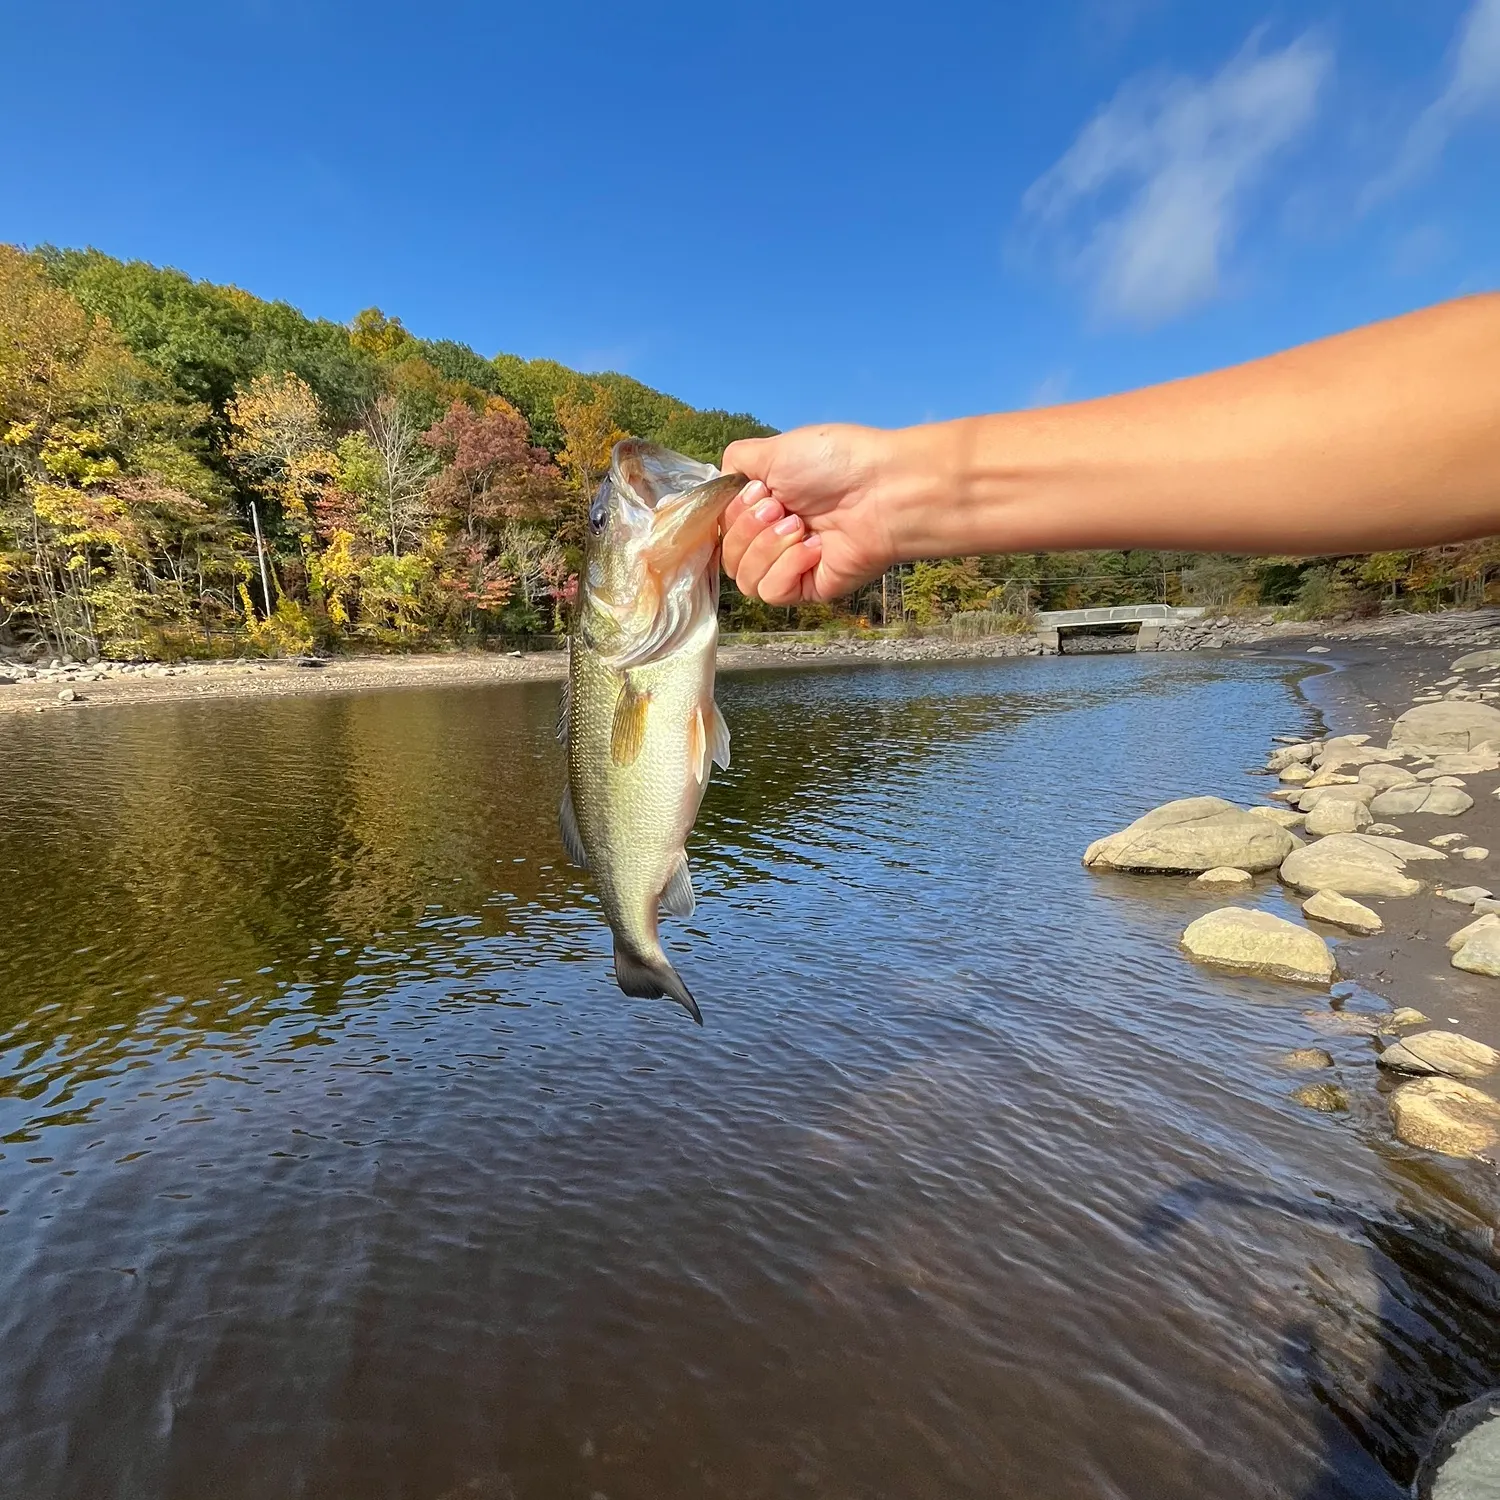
{"x": 1473, "y": 87}
{"x": 1161, "y": 174}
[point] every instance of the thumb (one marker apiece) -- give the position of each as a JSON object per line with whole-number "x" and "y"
{"x": 748, "y": 456}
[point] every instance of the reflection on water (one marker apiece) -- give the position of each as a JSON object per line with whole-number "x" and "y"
{"x": 333, "y": 1164}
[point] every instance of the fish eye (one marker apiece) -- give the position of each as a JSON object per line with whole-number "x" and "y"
{"x": 599, "y": 510}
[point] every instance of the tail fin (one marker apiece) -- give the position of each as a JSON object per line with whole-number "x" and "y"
{"x": 653, "y": 979}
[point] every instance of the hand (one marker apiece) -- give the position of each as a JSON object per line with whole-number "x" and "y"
{"x": 811, "y": 525}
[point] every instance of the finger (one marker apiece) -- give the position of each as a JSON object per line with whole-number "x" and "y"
{"x": 751, "y": 525}
{"x": 790, "y": 579}
{"x": 765, "y": 549}
{"x": 748, "y": 456}
{"x": 752, "y": 494}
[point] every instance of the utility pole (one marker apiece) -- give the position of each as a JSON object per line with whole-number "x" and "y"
{"x": 260, "y": 552}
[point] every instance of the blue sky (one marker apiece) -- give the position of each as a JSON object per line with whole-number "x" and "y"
{"x": 882, "y": 213}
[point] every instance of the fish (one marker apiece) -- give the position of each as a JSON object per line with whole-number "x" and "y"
{"x": 638, "y": 718}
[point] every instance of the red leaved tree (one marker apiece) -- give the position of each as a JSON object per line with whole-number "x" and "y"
{"x": 491, "y": 476}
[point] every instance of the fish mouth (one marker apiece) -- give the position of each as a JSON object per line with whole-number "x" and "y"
{"x": 679, "y": 523}
{"x": 678, "y": 505}
{"x": 651, "y": 474}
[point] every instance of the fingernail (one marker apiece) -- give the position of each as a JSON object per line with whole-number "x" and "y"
{"x": 767, "y": 510}
{"x": 814, "y": 541}
{"x": 789, "y": 527}
{"x": 752, "y": 492}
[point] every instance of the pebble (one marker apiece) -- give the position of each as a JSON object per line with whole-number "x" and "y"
{"x": 1477, "y": 851}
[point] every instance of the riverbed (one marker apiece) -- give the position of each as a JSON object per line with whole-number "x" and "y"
{"x": 334, "y": 1165}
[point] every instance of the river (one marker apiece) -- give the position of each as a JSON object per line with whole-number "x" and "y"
{"x": 333, "y": 1164}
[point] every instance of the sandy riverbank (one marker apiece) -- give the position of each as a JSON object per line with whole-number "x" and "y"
{"x": 1409, "y": 963}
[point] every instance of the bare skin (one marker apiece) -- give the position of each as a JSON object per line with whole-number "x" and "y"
{"x": 1383, "y": 438}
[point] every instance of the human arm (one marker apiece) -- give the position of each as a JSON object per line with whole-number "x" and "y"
{"x": 1381, "y": 438}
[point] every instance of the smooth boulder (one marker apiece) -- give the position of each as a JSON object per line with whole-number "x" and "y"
{"x": 1451, "y": 725}
{"x": 1352, "y": 864}
{"x": 1329, "y": 906}
{"x": 1472, "y": 930}
{"x": 1283, "y": 817}
{"x": 1383, "y": 778}
{"x": 1444, "y": 1052}
{"x": 1436, "y": 801}
{"x": 1481, "y": 954}
{"x": 1192, "y": 835}
{"x": 1225, "y": 875}
{"x": 1441, "y": 1114}
{"x": 1257, "y": 942}
{"x": 1476, "y": 659}
{"x": 1338, "y": 815}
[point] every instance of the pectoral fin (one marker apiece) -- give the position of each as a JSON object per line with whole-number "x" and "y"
{"x": 718, "y": 736}
{"x": 567, "y": 824}
{"x": 628, "y": 733}
{"x": 677, "y": 900}
{"x": 697, "y": 745}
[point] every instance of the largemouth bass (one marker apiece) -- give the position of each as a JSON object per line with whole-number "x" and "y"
{"x": 638, "y": 717}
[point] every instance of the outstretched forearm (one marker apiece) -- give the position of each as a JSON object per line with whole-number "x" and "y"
{"x": 1384, "y": 438}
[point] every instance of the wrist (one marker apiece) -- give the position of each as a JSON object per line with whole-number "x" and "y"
{"x": 929, "y": 491}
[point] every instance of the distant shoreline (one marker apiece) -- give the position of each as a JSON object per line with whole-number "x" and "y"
{"x": 111, "y": 684}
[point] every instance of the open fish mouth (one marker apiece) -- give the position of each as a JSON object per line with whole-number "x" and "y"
{"x": 677, "y": 584}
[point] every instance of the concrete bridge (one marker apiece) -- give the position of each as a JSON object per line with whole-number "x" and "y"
{"x": 1146, "y": 620}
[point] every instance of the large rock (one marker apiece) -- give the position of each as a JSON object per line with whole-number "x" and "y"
{"x": 1282, "y": 817}
{"x": 1352, "y": 864}
{"x": 1329, "y": 906}
{"x": 1279, "y": 760}
{"x": 1439, "y": 801}
{"x": 1296, "y": 774}
{"x": 1470, "y": 763}
{"x": 1259, "y": 943}
{"x": 1443, "y": 1052}
{"x": 1225, "y": 875}
{"x": 1472, "y": 930}
{"x": 1440, "y": 1114}
{"x": 1359, "y": 791}
{"x": 1193, "y": 835}
{"x": 1338, "y": 815}
{"x": 1403, "y": 849}
{"x": 1465, "y": 895}
{"x": 1477, "y": 659}
{"x": 1481, "y": 954}
{"x": 1446, "y": 726}
{"x": 1383, "y": 777}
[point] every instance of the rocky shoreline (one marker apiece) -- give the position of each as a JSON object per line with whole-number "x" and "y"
{"x": 30, "y": 687}
{"x": 1366, "y": 846}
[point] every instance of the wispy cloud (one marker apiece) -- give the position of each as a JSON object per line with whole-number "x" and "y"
{"x": 1145, "y": 206}
{"x": 1473, "y": 88}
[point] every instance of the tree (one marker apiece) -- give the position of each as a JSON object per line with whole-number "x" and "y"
{"x": 590, "y": 434}
{"x": 279, "y": 445}
{"x": 491, "y": 475}
{"x": 387, "y": 464}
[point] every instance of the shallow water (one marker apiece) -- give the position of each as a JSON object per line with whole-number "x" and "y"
{"x": 333, "y": 1164}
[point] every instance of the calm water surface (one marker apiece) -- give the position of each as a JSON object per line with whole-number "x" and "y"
{"x": 333, "y": 1164}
